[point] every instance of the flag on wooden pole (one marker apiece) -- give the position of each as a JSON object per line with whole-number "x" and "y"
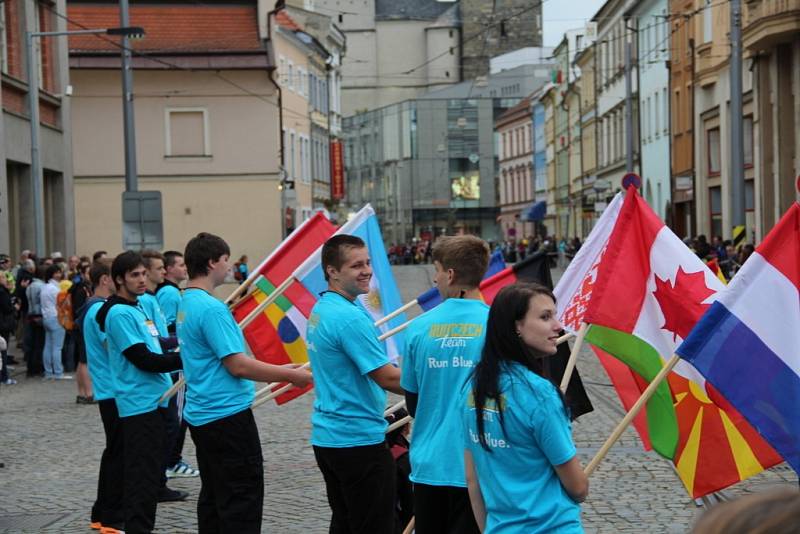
{"x": 647, "y": 293}
{"x": 748, "y": 342}
{"x": 277, "y": 335}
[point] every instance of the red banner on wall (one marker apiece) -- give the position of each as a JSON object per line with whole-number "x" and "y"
{"x": 337, "y": 170}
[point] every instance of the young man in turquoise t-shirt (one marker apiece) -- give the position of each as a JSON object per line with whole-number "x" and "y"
{"x": 155, "y": 262}
{"x": 219, "y": 393}
{"x": 107, "y": 508}
{"x": 351, "y": 374}
{"x": 137, "y": 366}
{"x": 442, "y": 347}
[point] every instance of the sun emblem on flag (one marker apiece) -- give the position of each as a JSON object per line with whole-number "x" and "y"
{"x": 373, "y": 300}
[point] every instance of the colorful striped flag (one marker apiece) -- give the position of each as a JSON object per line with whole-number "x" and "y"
{"x": 748, "y": 342}
{"x": 647, "y": 292}
{"x": 277, "y": 335}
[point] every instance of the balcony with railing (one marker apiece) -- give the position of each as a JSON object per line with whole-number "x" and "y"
{"x": 766, "y": 23}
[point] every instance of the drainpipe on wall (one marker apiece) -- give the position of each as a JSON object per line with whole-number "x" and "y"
{"x": 279, "y": 5}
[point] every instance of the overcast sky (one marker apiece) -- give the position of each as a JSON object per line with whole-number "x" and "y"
{"x": 560, "y": 16}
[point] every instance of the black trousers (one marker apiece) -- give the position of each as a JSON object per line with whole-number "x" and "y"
{"x": 360, "y": 482}
{"x": 144, "y": 439}
{"x": 231, "y": 473}
{"x": 443, "y": 510}
{"x": 34, "y": 348}
{"x": 108, "y": 508}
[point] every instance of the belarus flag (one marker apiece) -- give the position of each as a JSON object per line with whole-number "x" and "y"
{"x": 748, "y": 343}
{"x": 647, "y": 292}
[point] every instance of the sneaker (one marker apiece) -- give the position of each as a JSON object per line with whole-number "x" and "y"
{"x": 112, "y": 529}
{"x": 96, "y": 525}
{"x": 62, "y": 377}
{"x": 182, "y": 470}
{"x": 11, "y": 382}
{"x": 166, "y": 494}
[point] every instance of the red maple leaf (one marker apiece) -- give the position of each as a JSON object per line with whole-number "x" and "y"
{"x": 682, "y": 304}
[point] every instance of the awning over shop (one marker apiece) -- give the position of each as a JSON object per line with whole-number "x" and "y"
{"x": 534, "y": 212}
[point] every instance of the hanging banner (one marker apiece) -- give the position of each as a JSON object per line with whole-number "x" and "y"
{"x": 337, "y": 171}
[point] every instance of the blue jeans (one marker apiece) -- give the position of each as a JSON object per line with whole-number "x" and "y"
{"x": 53, "y": 343}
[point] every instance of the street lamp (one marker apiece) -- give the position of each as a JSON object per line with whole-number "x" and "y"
{"x": 37, "y": 178}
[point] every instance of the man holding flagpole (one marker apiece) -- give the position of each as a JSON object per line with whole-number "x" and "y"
{"x": 219, "y": 392}
{"x": 352, "y": 372}
{"x": 442, "y": 347}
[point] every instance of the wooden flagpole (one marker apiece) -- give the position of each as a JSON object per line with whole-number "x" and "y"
{"x": 410, "y": 527}
{"x": 398, "y": 311}
{"x": 573, "y": 357}
{"x": 246, "y": 321}
{"x": 633, "y": 412}
{"x": 393, "y": 331}
{"x": 242, "y": 288}
{"x": 392, "y": 409}
{"x": 278, "y": 392}
{"x": 266, "y": 302}
{"x": 398, "y": 424}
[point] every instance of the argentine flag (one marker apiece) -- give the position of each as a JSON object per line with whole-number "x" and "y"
{"x": 383, "y": 296}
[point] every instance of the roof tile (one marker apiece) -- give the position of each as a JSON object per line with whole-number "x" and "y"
{"x": 181, "y": 29}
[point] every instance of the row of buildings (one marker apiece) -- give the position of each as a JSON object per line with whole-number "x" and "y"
{"x": 681, "y": 118}
{"x": 558, "y": 147}
{"x": 237, "y": 120}
{"x": 239, "y": 106}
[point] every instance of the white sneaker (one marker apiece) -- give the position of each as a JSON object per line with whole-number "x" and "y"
{"x": 63, "y": 377}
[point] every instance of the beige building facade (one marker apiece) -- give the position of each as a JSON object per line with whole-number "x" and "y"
{"x": 206, "y": 130}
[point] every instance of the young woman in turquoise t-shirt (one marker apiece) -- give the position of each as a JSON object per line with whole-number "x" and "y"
{"x": 523, "y": 474}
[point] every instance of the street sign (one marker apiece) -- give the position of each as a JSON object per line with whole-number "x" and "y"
{"x": 142, "y": 221}
{"x": 631, "y": 179}
{"x": 601, "y": 185}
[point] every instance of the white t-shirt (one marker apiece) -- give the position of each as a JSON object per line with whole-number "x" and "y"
{"x": 48, "y": 298}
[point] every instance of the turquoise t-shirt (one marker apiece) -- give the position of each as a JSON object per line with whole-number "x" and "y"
{"x": 343, "y": 348}
{"x": 96, "y": 354}
{"x": 151, "y": 308}
{"x": 520, "y": 487}
{"x": 442, "y": 346}
{"x": 169, "y": 298}
{"x": 135, "y": 391}
{"x": 207, "y": 333}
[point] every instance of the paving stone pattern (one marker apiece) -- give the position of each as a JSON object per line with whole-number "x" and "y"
{"x": 51, "y": 449}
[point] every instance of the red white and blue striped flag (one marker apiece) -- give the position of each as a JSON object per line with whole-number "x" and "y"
{"x": 747, "y": 344}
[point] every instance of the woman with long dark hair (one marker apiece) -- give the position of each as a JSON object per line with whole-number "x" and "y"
{"x": 523, "y": 474}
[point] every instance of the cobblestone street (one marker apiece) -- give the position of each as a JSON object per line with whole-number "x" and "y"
{"x": 51, "y": 449}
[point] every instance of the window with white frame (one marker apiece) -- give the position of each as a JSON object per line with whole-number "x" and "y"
{"x": 187, "y": 132}
{"x": 665, "y": 113}
{"x": 301, "y": 81}
{"x": 290, "y": 75}
{"x": 708, "y": 23}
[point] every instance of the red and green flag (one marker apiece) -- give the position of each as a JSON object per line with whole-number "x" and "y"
{"x": 642, "y": 296}
{"x": 277, "y": 335}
